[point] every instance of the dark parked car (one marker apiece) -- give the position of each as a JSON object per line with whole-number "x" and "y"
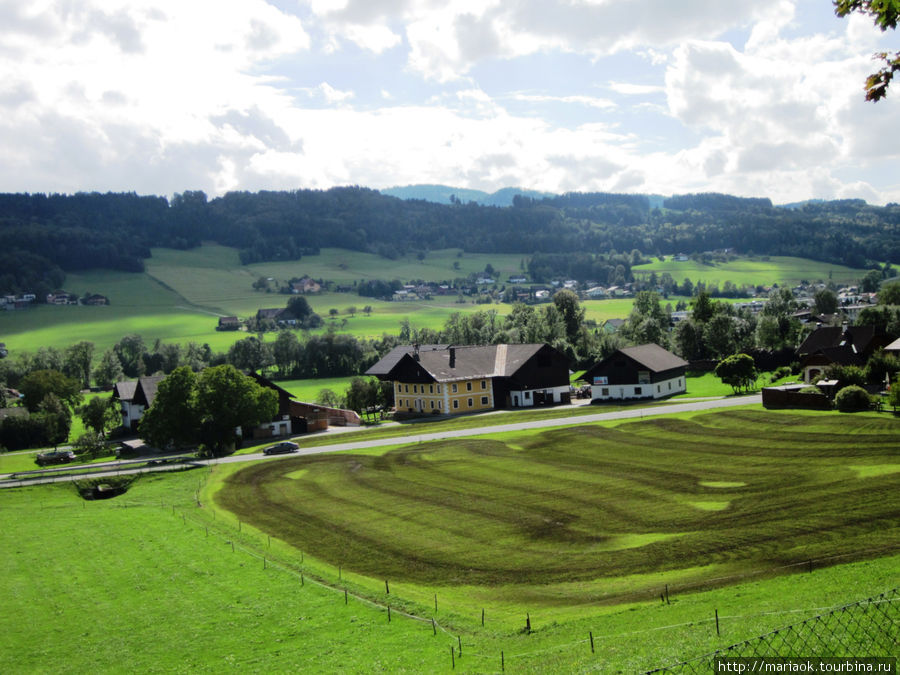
{"x": 281, "y": 448}
{"x": 57, "y": 457}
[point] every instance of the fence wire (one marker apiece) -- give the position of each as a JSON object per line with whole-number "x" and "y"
{"x": 869, "y": 627}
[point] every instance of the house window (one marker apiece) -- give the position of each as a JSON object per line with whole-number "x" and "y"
{"x": 440, "y": 405}
{"x": 638, "y": 391}
{"x": 453, "y": 387}
{"x": 432, "y": 404}
{"x": 604, "y": 392}
{"x": 679, "y": 381}
{"x": 415, "y": 390}
{"x": 484, "y": 384}
{"x": 455, "y": 403}
{"x": 670, "y": 386}
{"x": 430, "y": 388}
{"x": 484, "y": 400}
{"x": 407, "y": 388}
{"x": 643, "y": 377}
{"x": 399, "y": 387}
{"x": 527, "y": 395}
{"x": 658, "y": 388}
{"x": 439, "y": 389}
{"x": 470, "y": 403}
{"x": 468, "y": 386}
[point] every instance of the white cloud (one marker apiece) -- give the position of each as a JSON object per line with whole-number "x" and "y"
{"x": 591, "y": 101}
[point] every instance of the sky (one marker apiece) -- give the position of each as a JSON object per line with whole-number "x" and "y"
{"x": 758, "y": 98}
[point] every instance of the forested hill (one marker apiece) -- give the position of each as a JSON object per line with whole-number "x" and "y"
{"x": 41, "y": 236}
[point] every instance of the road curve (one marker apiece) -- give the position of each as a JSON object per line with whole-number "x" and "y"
{"x": 634, "y": 413}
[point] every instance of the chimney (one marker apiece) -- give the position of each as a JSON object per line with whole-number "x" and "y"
{"x": 453, "y": 357}
{"x": 416, "y": 352}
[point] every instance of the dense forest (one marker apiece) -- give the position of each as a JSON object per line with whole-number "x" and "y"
{"x": 43, "y": 236}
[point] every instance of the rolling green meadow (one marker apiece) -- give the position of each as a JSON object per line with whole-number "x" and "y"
{"x": 182, "y": 293}
{"x": 781, "y": 270}
{"x": 570, "y": 527}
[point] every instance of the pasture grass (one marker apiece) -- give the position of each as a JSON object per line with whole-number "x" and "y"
{"x": 781, "y": 270}
{"x": 567, "y": 519}
{"x": 133, "y": 584}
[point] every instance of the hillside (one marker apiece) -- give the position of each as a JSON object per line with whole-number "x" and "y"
{"x": 44, "y": 237}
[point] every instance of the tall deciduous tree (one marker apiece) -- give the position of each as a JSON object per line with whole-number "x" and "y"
{"x": 101, "y": 414}
{"x": 227, "y": 399}
{"x": 173, "y": 419}
{"x": 109, "y": 370}
{"x": 78, "y": 360}
{"x": 738, "y": 371}
{"x": 38, "y": 384}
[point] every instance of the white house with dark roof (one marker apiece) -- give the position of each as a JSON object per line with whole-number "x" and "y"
{"x": 645, "y": 371}
{"x": 135, "y": 397}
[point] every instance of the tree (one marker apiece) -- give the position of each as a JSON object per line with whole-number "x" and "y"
{"x": 35, "y": 386}
{"x": 870, "y": 282}
{"x": 718, "y": 334}
{"x": 571, "y": 310}
{"x": 285, "y": 351}
{"x": 250, "y": 354}
{"x": 100, "y": 414}
{"x": 826, "y": 301}
{"x": 738, "y": 371}
{"x": 109, "y": 370}
{"x": 78, "y": 360}
{"x": 846, "y": 375}
{"x": 227, "y": 400}
{"x": 889, "y": 294}
{"x": 130, "y": 350}
{"x": 885, "y": 14}
{"x": 894, "y": 398}
{"x": 329, "y": 399}
{"x": 173, "y": 420}
{"x": 56, "y": 419}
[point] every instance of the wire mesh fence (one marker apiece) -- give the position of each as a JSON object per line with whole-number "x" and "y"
{"x": 870, "y": 627}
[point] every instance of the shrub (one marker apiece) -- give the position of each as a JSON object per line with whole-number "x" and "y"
{"x": 783, "y": 371}
{"x": 852, "y": 399}
{"x": 811, "y": 389}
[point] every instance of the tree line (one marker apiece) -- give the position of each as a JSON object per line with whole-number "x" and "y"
{"x": 44, "y": 236}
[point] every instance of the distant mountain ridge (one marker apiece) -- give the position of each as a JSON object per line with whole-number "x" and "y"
{"x": 441, "y": 194}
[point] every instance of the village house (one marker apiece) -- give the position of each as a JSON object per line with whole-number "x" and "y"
{"x": 61, "y": 298}
{"x": 839, "y": 345}
{"x": 95, "y": 299}
{"x": 135, "y": 397}
{"x": 306, "y": 285}
{"x": 295, "y": 417}
{"x": 456, "y": 379}
{"x": 228, "y": 323}
{"x": 645, "y": 371}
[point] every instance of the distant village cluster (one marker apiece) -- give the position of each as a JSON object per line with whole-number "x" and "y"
{"x": 27, "y": 300}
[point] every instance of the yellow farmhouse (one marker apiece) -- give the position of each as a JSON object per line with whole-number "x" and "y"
{"x": 446, "y": 379}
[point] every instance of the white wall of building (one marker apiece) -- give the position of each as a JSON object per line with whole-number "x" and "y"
{"x": 609, "y": 392}
{"x": 525, "y": 398}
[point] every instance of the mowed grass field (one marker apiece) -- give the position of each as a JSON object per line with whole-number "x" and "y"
{"x": 149, "y": 582}
{"x": 781, "y": 270}
{"x": 571, "y": 518}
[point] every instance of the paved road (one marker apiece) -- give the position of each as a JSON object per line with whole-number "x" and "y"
{"x": 633, "y": 413}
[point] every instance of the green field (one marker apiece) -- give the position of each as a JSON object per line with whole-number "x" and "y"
{"x": 781, "y": 270}
{"x": 154, "y": 581}
{"x": 562, "y": 520}
{"x": 181, "y": 295}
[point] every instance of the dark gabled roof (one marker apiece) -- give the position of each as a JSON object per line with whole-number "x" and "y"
{"x": 266, "y": 382}
{"x": 124, "y": 391}
{"x": 469, "y": 361}
{"x": 269, "y": 313}
{"x": 148, "y": 386}
{"x": 651, "y": 356}
{"x": 654, "y": 357}
{"x": 842, "y": 355}
{"x": 387, "y": 362}
{"x": 860, "y": 338}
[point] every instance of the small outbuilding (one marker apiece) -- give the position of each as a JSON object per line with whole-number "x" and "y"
{"x": 645, "y": 371}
